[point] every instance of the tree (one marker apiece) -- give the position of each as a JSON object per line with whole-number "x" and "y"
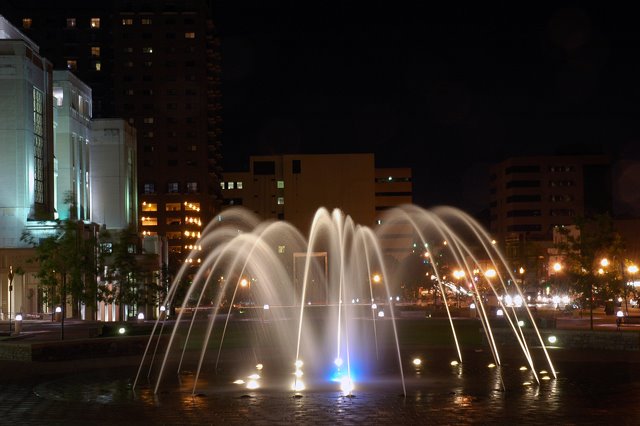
{"x": 584, "y": 251}
{"x": 129, "y": 280}
{"x": 67, "y": 265}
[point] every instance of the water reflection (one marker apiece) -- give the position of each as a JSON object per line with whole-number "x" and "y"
{"x": 437, "y": 392}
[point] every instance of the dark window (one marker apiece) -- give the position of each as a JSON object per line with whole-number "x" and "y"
{"x": 523, "y": 184}
{"x": 523, "y": 198}
{"x": 296, "y": 167}
{"x": 173, "y": 187}
{"x": 392, "y": 194}
{"x": 523, "y": 213}
{"x": 264, "y": 168}
{"x": 172, "y": 162}
{"x": 149, "y": 188}
{"x": 232, "y": 201}
{"x": 522, "y": 169}
{"x": 524, "y": 228}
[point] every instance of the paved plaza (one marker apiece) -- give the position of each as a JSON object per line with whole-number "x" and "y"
{"x": 99, "y": 391}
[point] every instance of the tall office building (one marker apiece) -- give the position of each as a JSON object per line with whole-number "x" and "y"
{"x": 155, "y": 64}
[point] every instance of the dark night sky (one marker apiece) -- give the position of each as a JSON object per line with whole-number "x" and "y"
{"x": 444, "y": 89}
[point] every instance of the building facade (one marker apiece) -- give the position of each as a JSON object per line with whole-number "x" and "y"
{"x": 294, "y": 187}
{"x": 113, "y": 173}
{"x": 531, "y": 196}
{"x": 72, "y": 133}
{"x": 156, "y": 65}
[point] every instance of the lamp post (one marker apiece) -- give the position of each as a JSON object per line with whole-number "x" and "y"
{"x": 632, "y": 270}
{"x": 10, "y": 291}
{"x": 458, "y": 275}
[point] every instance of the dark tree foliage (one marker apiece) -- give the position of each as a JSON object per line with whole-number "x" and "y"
{"x": 583, "y": 251}
{"x": 67, "y": 264}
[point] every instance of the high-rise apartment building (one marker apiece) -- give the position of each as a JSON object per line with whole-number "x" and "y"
{"x": 155, "y": 64}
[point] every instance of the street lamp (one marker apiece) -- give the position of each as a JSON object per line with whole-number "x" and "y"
{"x": 632, "y": 270}
{"x": 10, "y": 290}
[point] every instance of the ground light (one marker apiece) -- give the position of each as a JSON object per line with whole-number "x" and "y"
{"x": 346, "y": 386}
{"x": 417, "y": 362}
{"x": 552, "y": 339}
{"x": 122, "y": 330}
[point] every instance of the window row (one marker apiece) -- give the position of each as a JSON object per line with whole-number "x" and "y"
{"x": 174, "y": 148}
{"x": 168, "y": 120}
{"x": 148, "y": 77}
{"x": 127, "y": 21}
{"x": 171, "y": 221}
{"x": 93, "y": 23}
{"x": 231, "y": 185}
{"x": 170, "y": 163}
{"x": 167, "y": 64}
{"x": 171, "y": 207}
{"x": 172, "y": 188}
{"x": 72, "y": 65}
{"x": 172, "y": 106}
{"x": 537, "y": 212}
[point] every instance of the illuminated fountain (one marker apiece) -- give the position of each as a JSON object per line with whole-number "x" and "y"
{"x": 319, "y": 310}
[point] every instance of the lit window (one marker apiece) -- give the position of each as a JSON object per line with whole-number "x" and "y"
{"x": 127, "y": 21}
{"x": 189, "y": 35}
{"x": 149, "y": 221}
{"x": 71, "y": 22}
{"x": 192, "y": 207}
{"x": 72, "y": 64}
{"x": 95, "y": 51}
{"x": 147, "y": 50}
{"x": 149, "y": 207}
{"x": 172, "y": 207}
{"x": 148, "y": 120}
{"x": 239, "y": 185}
{"x": 222, "y": 185}
{"x": 174, "y": 236}
{"x": 230, "y": 185}
{"x": 58, "y": 95}
{"x": 106, "y": 248}
{"x": 97, "y": 65}
{"x": 95, "y": 22}
{"x": 38, "y": 145}
{"x": 146, "y": 21}
{"x": 192, "y": 187}
{"x": 280, "y": 184}
{"x": 281, "y": 249}
{"x": 280, "y": 200}
{"x": 26, "y": 23}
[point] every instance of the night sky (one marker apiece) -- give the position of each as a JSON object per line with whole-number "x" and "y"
{"x": 444, "y": 89}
